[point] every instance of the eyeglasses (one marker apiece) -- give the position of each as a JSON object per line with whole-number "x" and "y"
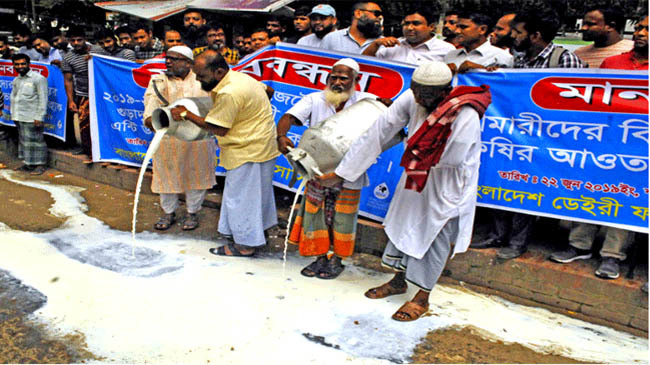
{"x": 376, "y": 13}
{"x": 175, "y": 59}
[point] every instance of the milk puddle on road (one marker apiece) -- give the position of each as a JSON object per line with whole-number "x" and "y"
{"x": 175, "y": 303}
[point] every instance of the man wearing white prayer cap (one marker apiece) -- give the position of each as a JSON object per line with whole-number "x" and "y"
{"x": 431, "y": 215}
{"x": 328, "y": 215}
{"x": 179, "y": 167}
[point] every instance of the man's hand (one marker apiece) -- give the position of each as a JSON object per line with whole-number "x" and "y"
{"x": 88, "y": 57}
{"x": 147, "y": 123}
{"x": 284, "y": 143}
{"x": 56, "y": 63}
{"x": 176, "y": 112}
{"x": 72, "y": 106}
{"x": 329, "y": 179}
{"x": 385, "y": 101}
{"x": 274, "y": 40}
{"x": 387, "y": 42}
{"x": 38, "y": 123}
{"x": 469, "y": 65}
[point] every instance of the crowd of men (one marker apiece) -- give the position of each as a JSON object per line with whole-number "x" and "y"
{"x": 425, "y": 225}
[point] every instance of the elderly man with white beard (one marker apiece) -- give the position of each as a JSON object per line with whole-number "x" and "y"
{"x": 327, "y": 216}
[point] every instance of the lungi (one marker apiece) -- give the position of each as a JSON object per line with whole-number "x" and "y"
{"x": 327, "y": 217}
{"x": 31, "y": 144}
{"x": 248, "y": 203}
{"x": 425, "y": 272}
{"x": 180, "y": 166}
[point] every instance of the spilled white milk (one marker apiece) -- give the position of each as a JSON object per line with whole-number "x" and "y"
{"x": 153, "y": 147}
{"x": 179, "y": 304}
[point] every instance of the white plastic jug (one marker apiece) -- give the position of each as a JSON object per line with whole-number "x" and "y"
{"x": 185, "y": 130}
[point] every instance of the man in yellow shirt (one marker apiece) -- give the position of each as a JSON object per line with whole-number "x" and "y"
{"x": 242, "y": 119}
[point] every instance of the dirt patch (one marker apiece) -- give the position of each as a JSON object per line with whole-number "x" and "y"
{"x": 26, "y": 209}
{"x": 466, "y": 346}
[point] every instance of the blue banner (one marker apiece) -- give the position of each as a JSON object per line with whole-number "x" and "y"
{"x": 57, "y": 104}
{"x": 565, "y": 144}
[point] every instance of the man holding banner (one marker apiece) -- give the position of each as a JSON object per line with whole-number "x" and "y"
{"x": 328, "y": 215}
{"x": 431, "y": 215}
{"x": 179, "y": 166}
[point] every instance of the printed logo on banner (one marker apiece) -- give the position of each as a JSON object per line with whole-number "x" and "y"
{"x": 608, "y": 95}
{"x": 311, "y": 71}
{"x": 8, "y": 70}
{"x": 142, "y": 74}
{"x": 382, "y": 191}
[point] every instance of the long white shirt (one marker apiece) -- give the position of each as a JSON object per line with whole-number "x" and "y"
{"x": 415, "y": 219}
{"x": 312, "y": 109}
{"x": 432, "y": 50}
{"x": 485, "y": 54}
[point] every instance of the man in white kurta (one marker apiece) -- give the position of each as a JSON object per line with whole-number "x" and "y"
{"x": 424, "y": 228}
{"x": 179, "y": 166}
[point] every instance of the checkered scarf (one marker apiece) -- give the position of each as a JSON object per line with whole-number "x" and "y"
{"x": 425, "y": 147}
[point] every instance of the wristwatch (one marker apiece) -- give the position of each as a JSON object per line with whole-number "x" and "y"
{"x": 183, "y": 114}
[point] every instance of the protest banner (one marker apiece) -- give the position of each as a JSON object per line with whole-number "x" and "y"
{"x": 567, "y": 144}
{"x": 57, "y": 105}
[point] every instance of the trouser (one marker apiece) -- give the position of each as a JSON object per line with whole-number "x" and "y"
{"x": 425, "y": 272}
{"x": 31, "y": 144}
{"x": 193, "y": 200}
{"x": 582, "y": 237}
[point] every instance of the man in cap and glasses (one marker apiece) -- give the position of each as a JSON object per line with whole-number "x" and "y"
{"x": 431, "y": 215}
{"x": 179, "y": 166}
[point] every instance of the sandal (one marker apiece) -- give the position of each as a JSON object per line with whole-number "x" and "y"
{"x": 315, "y": 267}
{"x": 331, "y": 270}
{"x": 38, "y": 170}
{"x": 384, "y": 291}
{"x": 165, "y": 222}
{"x": 234, "y": 252}
{"x": 191, "y": 222}
{"x": 24, "y": 168}
{"x": 411, "y": 310}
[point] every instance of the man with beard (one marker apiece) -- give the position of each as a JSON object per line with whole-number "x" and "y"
{"x": 449, "y": 28}
{"x": 500, "y": 36}
{"x": 323, "y": 21}
{"x": 216, "y": 38}
{"x": 107, "y": 41}
{"x": 123, "y": 34}
{"x": 242, "y": 119}
{"x": 194, "y": 34}
{"x": 418, "y": 44}
{"x": 24, "y": 38}
{"x": 301, "y": 24}
{"x": 75, "y": 73}
{"x": 603, "y": 26}
{"x": 146, "y": 46}
{"x": 328, "y": 216}
{"x": 28, "y": 109}
{"x": 276, "y": 26}
{"x": 471, "y": 31}
{"x": 532, "y": 33}
{"x": 430, "y": 217}
{"x": 5, "y": 51}
{"x": 366, "y": 25}
{"x": 637, "y": 58}
{"x": 582, "y": 235}
{"x": 179, "y": 167}
{"x": 48, "y": 53}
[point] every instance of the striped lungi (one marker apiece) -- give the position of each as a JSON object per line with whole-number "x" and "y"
{"x": 179, "y": 166}
{"x": 326, "y": 217}
{"x": 31, "y": 144}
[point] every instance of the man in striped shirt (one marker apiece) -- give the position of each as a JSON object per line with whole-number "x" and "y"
{"x": 603, "y": 27}
{"x": 146, "y": 46}
{"x": 75, "y": 73}
{"x": 106, "y": 39}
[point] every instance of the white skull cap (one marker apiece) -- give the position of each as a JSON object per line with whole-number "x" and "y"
{"x": 349, "y": 63}
{"x": 184, "y": 50}
{"x": 433, "y": 73}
